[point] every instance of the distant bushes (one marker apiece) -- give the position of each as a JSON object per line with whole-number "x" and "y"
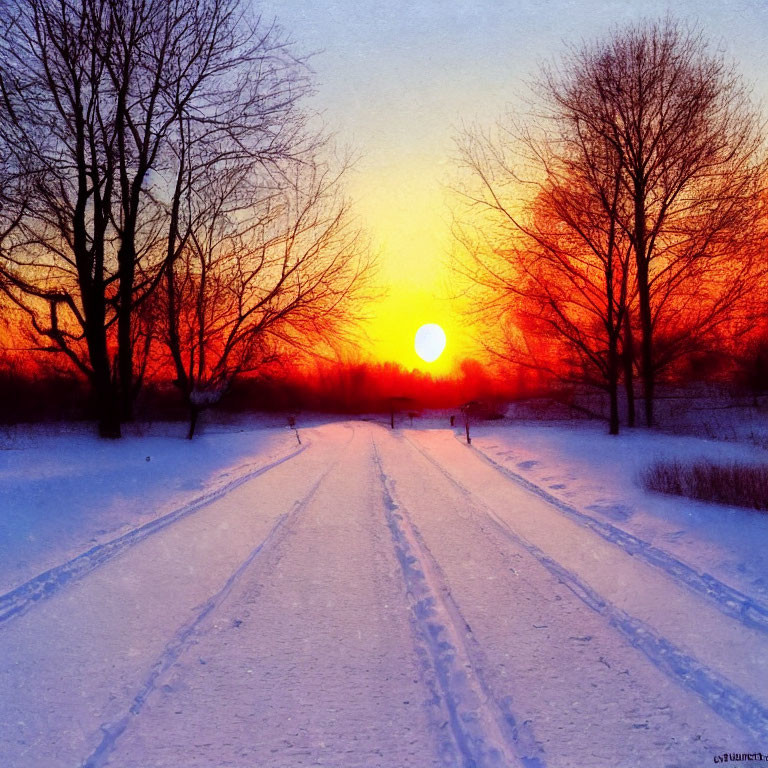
{"x": 740, "y": 484}
{"x": 43, "y": 393}
{"x": 29, "y": 397}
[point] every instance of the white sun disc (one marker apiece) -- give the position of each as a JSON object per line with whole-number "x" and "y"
{"x": 430, "y": 342}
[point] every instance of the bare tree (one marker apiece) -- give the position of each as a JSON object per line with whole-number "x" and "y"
{"x": 679, "y": 117}
{"x": 92, "y": 94}
{"x": 207, "y": 63}
{"x": 633, "y": 200}
{"x": 263, "y": 264}
{"x": 55, "y": 269}
{"x": 560, "y": 266}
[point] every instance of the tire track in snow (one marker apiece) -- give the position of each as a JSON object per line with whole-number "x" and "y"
{"x": 181, "y": 640}
{"x": 733, "y": 603}
{"x": 725, "y": 698}
{"x": 484, "y": 729}
{"x": 20, "y": 599}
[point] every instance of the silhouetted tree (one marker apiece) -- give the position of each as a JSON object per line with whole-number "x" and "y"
{"x": 678, "y": 116}
{"x": 263, "y": 264}
{"x": 560, "y": 266}
{"x": 636, "y": 197}
{"x": 93, "y": 94}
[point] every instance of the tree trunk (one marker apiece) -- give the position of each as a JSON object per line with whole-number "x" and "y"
{"x": 102, "y": 387}
{"x": 646, "y": 353}
{"x": 629, "y": 371}
{"x": 613, "y": 384}
{"x": 107, "y": 407}
{"x": 124, "y": 339}
{"x": 613, "y": 421}
{"x": 194, "y": 412}
{"x": 644, "y": 301}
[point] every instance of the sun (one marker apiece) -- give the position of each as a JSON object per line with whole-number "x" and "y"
{"x": 430, "y": 342}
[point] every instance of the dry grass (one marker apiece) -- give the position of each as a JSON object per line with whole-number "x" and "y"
{"x": 739, "y": 484}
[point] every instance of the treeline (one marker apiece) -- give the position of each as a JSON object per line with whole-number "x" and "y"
{"x": 167, "y": 210}
{"x": 619, "y": 238}
{"x": 49, "y": 394}
{"x": 383, "y": 387}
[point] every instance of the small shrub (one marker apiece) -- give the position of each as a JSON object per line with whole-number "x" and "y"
{"x": 739, "y": 484}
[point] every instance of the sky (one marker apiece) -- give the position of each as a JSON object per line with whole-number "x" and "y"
{"x": 395, "y": 81}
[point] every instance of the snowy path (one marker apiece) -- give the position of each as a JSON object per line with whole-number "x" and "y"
{"x": 380, "y": 599}
{"x": 683, "y": 634}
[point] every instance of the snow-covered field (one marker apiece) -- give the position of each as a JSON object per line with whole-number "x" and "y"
{"x": 374, "y": 598}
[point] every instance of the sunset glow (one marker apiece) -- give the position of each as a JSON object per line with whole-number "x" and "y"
{"x": 421, "y": 72}
{"x": 407, "y": 216}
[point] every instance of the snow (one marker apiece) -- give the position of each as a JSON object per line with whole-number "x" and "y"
{"x": 64, "y": 491}
{"x": 374, "y": 598}
{"x": 597, "y": 473}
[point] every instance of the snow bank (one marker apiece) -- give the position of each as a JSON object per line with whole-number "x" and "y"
{"x": 598, "y": 474}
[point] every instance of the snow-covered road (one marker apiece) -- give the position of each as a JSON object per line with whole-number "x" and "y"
{"x": 377, "y": 599}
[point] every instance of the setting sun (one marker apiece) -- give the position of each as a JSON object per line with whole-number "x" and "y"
{"x": 430, "y": 342}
